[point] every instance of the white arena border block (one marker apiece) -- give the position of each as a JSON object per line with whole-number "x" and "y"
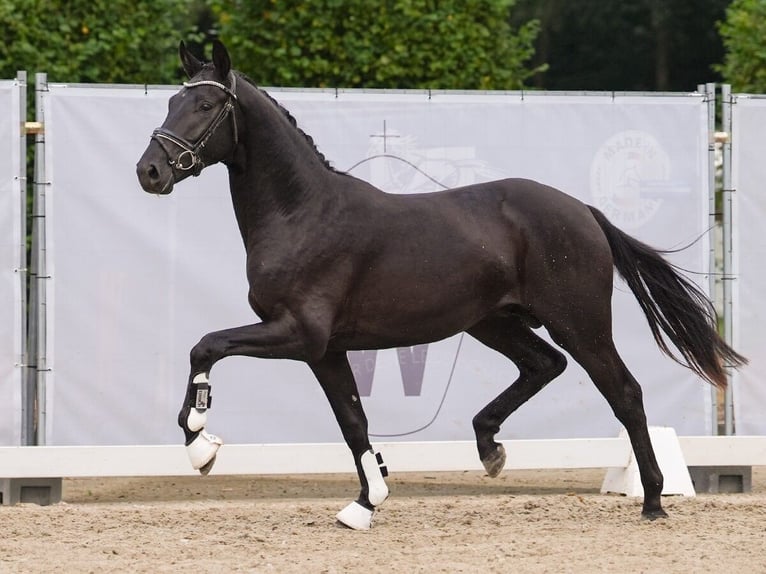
{"x": 322, "y": 458}
{"x": 667, "y": 449}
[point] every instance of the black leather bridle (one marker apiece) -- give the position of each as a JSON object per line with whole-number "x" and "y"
{"x": 189, "y": 158}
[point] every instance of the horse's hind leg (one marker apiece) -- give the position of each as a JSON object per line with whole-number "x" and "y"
{"x": 337, "y": 381}
{"x": 538, "y": 363}
{"x": 594, "y": 349}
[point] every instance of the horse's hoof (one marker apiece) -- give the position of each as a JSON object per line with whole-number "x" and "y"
{"x": 355, "y": 516}
{"x": 654, "y": 514}
{"x": 205, "y": 470}
{"x": 494, "y": 461}
{"x": 202, "y": 451}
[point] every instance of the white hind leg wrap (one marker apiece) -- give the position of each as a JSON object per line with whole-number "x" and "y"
{"x": 372, "y": 466}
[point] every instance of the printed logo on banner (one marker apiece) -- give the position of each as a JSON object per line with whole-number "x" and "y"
{"x": 404, "y": 389}
{"x": 628, "y": 173}
{"x": 397, "y": 164}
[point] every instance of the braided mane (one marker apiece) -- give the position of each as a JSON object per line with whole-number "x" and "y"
{"x": 293, "y": 122}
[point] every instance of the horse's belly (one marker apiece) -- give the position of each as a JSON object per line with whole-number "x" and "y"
{"x": 410, "y": 316}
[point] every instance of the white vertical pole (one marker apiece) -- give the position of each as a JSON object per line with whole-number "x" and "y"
{"x": 39, "y": 270}
{"x": 728, "y": 271}
{"x": 27, "y": 396}
{"x": 709, "y": 91}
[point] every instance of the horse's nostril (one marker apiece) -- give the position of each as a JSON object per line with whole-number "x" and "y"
{"x": 153, "y": 173}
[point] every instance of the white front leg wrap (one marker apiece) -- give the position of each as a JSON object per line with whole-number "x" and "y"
{"x": 198, "y": 413}
{"x": 203, "y": 449}
{"x": 355, "y": 515}
{"x": 196, "y": 420}
{"x": 377, "y": 490}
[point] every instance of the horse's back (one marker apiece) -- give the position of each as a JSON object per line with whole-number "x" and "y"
{"x": 554, "y": 250}
{"x": 540, "y": 219}
{"x": 526, "y": 200}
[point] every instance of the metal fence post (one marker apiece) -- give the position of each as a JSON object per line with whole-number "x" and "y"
{"x": 27, "y": 398}
{"x": 38, "y": 270}
{"x": 709, "y": 91}
{"x": 728, "y": 270}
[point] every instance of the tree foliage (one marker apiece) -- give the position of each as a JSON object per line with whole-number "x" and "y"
{"x": 744, "y": 36}
{"x": 458, "y": 44}
{"x": 625, "y": 44}
{"x": 107, "y": 41}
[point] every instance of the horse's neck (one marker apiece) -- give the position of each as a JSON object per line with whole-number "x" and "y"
{"x": 277, "y": 173}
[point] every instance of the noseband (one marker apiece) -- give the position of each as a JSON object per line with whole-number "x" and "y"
{"x": 189, "y": 158}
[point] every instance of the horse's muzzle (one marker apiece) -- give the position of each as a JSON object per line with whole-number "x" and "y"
{"x": 154, "y": 175}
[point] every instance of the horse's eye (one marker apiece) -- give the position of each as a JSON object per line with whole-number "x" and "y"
{"x": 206, "y": 106}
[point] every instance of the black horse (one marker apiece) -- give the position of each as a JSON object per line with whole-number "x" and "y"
{"x": 335, "y": 264}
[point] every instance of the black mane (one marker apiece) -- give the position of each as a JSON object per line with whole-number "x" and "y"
{"x": 293, "y": 122}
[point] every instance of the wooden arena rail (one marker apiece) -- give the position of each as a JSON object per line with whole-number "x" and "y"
{"x": 240, "y": 459}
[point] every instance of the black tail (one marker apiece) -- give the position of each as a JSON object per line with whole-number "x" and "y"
{"x": 673, "y": 305}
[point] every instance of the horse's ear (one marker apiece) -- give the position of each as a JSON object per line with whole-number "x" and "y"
{"x": 221, "y": 60}
{"x": 191, "y": 65}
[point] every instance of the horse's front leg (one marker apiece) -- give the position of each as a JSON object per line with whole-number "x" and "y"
{"x": 273, "y": 339}
{"x": 337, "y": 380}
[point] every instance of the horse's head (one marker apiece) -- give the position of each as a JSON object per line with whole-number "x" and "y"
{"x": 200, "y": 128}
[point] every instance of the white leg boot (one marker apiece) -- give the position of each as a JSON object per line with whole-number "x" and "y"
{"x": 203, "y": 448}
{"x": 355, "y": 515}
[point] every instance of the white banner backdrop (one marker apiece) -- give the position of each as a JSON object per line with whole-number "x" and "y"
{"x": 137, "y": 280}
{"x": 749, "y": 203}
{"x": 10, "y": 263}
